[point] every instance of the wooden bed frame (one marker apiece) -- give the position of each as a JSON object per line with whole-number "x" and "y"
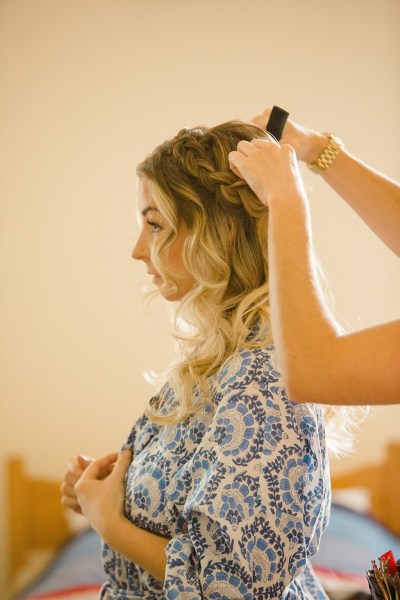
{"x": 383, "y": 483}
{"x": 37, "y": 520}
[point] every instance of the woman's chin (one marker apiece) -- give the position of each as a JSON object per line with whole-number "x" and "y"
{"x": 172, "y": 296}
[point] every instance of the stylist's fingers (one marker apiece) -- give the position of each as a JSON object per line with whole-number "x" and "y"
{"x": 245, "y": 147}
{"x": 261, "y": 142}
{"x": 262, "y": 120}
{"x": 236, "y": 160}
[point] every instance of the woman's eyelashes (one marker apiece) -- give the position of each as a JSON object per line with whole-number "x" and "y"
{"x": 155, "y": 227}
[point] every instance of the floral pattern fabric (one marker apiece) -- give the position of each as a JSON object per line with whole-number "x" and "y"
{"x": 241, "y": 489}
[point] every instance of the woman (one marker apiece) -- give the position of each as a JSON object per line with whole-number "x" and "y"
{"x": 222, "y": 490}
{"x": 318, "y": 362}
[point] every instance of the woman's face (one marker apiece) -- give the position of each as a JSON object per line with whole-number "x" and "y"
{"x": 152, "y": 222}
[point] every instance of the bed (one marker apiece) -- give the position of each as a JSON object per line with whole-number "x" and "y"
{"x": 50, "y": 560}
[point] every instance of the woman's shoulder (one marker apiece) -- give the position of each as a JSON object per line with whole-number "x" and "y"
{"x": 256, "y": 369}
{"x": 250, "y": 364}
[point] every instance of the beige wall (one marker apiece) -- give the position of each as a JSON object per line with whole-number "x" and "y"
{"x": 88, "y": 87}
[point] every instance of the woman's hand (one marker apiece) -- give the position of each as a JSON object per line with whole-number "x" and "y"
{"x": 101, "y": 492}
{"x": 75, "y": 468}
{"x": 307, "y": 143}
{"x": 269, "y": 169}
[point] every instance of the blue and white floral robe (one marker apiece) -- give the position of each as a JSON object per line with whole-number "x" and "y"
{"x": 242, "y": 489}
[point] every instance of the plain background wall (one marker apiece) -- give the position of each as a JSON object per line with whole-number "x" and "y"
{"x": 88, "y": 87}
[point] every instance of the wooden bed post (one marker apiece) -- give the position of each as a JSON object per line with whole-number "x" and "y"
{"x": 391, "y": 490}
{"x": 36, "y": 517}
{"x": 383, "y": 483}
{"x": 17, "y": 527}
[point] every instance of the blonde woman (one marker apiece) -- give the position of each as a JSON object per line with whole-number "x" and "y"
{"x": 319, "y": 363}
{"x": 222, "y": 488}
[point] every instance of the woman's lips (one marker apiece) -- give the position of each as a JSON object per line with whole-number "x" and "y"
{"x": 156, "y": 277}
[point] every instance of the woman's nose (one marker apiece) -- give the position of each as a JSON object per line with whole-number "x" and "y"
{"x": 139, "y": 251}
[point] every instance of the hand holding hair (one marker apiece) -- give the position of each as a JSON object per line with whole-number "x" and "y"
{"x": 307, "y": 143}
{"x": 270, "y": 169}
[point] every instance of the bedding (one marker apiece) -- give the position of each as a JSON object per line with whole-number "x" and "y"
{"x": 351, "y": 540}
{"x": 75, "y": 572}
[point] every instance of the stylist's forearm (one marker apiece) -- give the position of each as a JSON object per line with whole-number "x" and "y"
{"x": 374, "y": 197}
{"x": 302, "y": 324}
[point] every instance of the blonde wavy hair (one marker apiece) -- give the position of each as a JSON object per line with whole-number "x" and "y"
{"x": 225, "y": 250}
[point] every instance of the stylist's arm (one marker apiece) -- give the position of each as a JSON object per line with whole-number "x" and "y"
{"x": 372, "y": 195}
{"x": 319, "y": 364}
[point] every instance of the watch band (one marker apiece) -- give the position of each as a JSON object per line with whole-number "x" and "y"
{"x": 328, "y": 155}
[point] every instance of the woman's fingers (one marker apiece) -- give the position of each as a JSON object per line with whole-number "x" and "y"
{"x": 101, "y": 467}
{"x": 122, "y": 463}
{"x": 70, "y": 502}
{"x": 67, "y": 489}
{"x": 69, "y": 498}
{"x": 76, "y": 466}
{"x": 83, "y": 461}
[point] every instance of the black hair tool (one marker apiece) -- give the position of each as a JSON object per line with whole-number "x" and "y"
{"x": 276, "y": 122}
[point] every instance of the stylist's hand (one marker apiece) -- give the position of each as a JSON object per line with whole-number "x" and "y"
{"x": 75, "y": 468}
{"x": 269, "y": 169}
{"x": 101, "y": 491}
{"x": 307, "y": 143}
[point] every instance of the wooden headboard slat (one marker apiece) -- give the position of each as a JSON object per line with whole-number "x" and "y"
{"x": 383, "y": 483}
{"x": 37, "y": 520}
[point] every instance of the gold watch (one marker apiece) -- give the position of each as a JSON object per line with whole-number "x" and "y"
{"x": 328, "y": 154}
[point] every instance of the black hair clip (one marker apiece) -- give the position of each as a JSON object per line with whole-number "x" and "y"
{"x": 276, "y": 122}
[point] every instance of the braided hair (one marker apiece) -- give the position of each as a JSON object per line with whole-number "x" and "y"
{"x": 225, "y": 251}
